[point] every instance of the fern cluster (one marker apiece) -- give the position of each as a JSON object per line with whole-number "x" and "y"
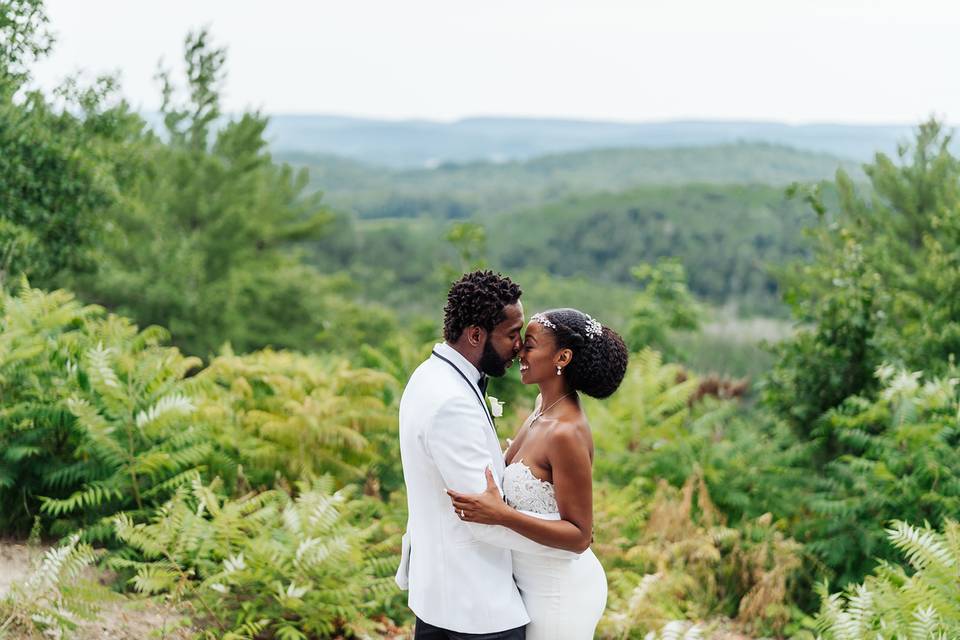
{"x": 692, "y": 507}
{"x": 650, "y": 410}
{"x": 107, "y": 434}
{"x": 96, "y": 415}
{"x": 291, "y": 415}
{"x": 139, "y": 437}
{"x": 919, "y": 604}
{"x": 265, "y": 564}
{"x": 673, "y": 562}
{"x": 655, "y": 427}
{"x": 898, "y": 461}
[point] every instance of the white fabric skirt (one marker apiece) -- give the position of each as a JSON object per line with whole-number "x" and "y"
{"x": 564, "y": 598}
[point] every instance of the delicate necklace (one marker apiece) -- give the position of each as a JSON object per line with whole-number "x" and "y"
{"x": 540, "y": 413}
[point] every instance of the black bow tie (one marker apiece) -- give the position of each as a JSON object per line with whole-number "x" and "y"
{"x": 482, "y": 384}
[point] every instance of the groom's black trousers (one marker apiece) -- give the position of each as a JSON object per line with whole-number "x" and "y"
{"x": 426, "y": 631}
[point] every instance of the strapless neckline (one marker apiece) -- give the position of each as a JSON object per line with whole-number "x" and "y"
{"x": 529, "y": 470}
{"x": 527, "y": 492}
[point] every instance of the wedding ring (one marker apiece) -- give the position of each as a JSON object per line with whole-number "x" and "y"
{"x": 461, "y": 514}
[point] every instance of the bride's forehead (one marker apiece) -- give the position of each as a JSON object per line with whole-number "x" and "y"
{"x": 533, "y": 328}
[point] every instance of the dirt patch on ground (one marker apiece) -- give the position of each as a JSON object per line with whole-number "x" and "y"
{"x": 15, "y": 564}
{"x": 135, "y": 619}
{"x": 120, "y": 618}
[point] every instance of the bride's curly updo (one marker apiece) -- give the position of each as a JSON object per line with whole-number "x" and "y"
{"x": 599, "y": 355}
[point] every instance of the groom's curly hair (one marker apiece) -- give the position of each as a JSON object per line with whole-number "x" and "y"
{"x": 477, "y": 299}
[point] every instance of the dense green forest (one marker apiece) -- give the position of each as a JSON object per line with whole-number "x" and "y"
{"x": 201, "y": 363}
{"x": 722, "y": 211}
{"x": 730, "y": 238}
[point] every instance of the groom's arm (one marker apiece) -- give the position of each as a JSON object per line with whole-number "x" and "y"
{"x": 457, "y": 443}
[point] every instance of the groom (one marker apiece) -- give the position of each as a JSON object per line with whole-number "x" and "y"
{"x": 459, "y": 574}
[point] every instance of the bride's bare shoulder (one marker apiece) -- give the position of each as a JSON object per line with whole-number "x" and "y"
{"x": 572, "y": 430}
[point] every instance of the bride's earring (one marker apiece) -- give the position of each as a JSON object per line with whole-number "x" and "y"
{"x": 559, "y": 370}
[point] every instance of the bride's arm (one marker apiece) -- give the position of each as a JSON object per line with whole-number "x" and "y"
{"x": 572, "y": 480}
{"x": 457, "y": 442}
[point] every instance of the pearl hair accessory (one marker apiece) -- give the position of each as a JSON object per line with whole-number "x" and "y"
{"x": 542, "y": 319}
{"x": 592, "y": 327}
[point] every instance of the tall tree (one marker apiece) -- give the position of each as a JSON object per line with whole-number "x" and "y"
{"x": 883, "y": 285}
{"x": 55, "y": 173}
{"x": 206, "y": 238}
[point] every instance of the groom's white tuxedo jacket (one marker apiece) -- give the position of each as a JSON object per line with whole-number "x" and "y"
{"x": 459, "y": 574}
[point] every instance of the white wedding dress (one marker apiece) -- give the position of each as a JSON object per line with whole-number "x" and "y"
{"x": 564, "y": 598}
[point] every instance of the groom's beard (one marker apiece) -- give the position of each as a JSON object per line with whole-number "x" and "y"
{"x": 491, "y": 362}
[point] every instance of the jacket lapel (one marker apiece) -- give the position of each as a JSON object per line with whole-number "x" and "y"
{"x": 473, "y": 388}
{"x": 493, "y": 440}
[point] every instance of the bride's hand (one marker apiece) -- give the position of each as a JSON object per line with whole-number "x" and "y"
{"x": 483, "y": 508}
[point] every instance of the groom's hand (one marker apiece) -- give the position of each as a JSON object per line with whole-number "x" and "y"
{"x": 483, "y": 508}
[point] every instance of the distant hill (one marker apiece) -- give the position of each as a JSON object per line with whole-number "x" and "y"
{"x": 463, "y": 190}
{"x": 418, "y": 143}
{"x": 727, "y": 236}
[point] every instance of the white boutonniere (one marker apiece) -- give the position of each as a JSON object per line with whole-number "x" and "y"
{"x": 496, "y": 407}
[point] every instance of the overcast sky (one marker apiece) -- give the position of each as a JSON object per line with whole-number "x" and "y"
{"x": 798, "y": 61}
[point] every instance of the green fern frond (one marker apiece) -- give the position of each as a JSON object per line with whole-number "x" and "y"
{"x": 923, "y": 547}
{"x": 923, "y": 605}
{"x": 155, "y": 578}
{"x": 175, "y": 403}
{"x": 92, "y": 495}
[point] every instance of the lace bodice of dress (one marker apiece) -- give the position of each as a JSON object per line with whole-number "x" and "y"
{"x": 526, "y": 492}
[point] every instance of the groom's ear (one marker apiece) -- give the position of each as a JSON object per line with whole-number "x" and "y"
{"x": 475, "y": 335}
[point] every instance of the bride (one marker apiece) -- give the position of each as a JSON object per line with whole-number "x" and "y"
{"x": 547, "y": 482}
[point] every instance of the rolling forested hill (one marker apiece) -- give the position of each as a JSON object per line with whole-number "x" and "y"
{"x": 459, "y": 191}
{"x": 727, "y": 237}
